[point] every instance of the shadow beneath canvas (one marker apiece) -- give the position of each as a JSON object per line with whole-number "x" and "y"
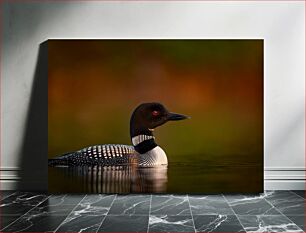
{"x": 33, "y": 163}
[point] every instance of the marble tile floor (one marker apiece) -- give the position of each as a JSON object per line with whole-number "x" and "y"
{"x": 273, "y": 211}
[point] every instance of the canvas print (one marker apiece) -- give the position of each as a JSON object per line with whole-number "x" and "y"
{"x": 155, "y": 116}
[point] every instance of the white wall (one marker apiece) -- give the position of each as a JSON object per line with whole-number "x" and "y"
{"x": 280, "y": 24}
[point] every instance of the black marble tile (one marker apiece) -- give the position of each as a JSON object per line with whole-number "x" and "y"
{"x": 164, "y": 223}
{"x": 44, "y": 208}
{"x": 170, "y": 205}
{"x": 5, "y": 194}
{"x": 266, "y": 223}
{"x": 81, "y": 223}
{"x": 20, "y": 203}
{"x": 209, "y": 205}
{"x": 251, "y": 205}
{"x": 65, "y": 199}
{"x": 95, "y": 204}
{"x": 130, "y": 204}
{"x": 301, "y": 193}
{"x": 6, "y": 220}
{"x": 217, "y": 223}
{"x": 57, "y": 205}
{"x": 35, "y": 223}
{"x": 127, "y": 223}
{"x": 299, "y": 220}
{"x": 286, "y": 202}
{"x": 211, "y": 213}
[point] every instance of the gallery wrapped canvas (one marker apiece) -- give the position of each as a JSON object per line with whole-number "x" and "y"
{"x": 155, "y": 116}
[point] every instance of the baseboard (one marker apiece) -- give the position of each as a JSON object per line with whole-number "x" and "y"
{"x": 284, "y": 178}
{"x": 10, "y": 179}
{"x": 284, "y": 185}
{"x": 275, "y": 178}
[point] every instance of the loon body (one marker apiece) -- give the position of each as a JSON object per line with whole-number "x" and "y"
{"x": 143, "y": 152}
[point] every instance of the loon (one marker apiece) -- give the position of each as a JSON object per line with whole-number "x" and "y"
{"x": 144, "y": 151}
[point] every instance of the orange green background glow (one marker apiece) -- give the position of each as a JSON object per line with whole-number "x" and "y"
{"x": 94, "y": 85}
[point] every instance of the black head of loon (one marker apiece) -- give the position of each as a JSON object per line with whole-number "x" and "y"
{"x": 145, "y": 118}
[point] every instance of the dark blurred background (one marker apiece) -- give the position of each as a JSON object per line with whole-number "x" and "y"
{"x": 94, "y": 85}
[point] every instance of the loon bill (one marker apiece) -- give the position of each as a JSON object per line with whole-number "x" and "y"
{"x": 144, "y": 150}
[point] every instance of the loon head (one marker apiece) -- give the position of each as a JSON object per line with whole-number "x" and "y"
{"x": 147, "y": 116}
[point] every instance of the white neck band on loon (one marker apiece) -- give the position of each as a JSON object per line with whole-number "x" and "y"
{"x": 140, "y": 138}
{"x": 143, "y": 143}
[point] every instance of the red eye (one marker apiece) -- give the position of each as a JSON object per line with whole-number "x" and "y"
{"x": 155, "y": 113}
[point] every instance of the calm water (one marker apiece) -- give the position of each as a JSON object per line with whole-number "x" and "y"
{"x": 176, "y": 178}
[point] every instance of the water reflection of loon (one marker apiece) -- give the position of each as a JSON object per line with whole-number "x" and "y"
{"x": 116, "y": 179}
{"x": 144, "y": 152}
